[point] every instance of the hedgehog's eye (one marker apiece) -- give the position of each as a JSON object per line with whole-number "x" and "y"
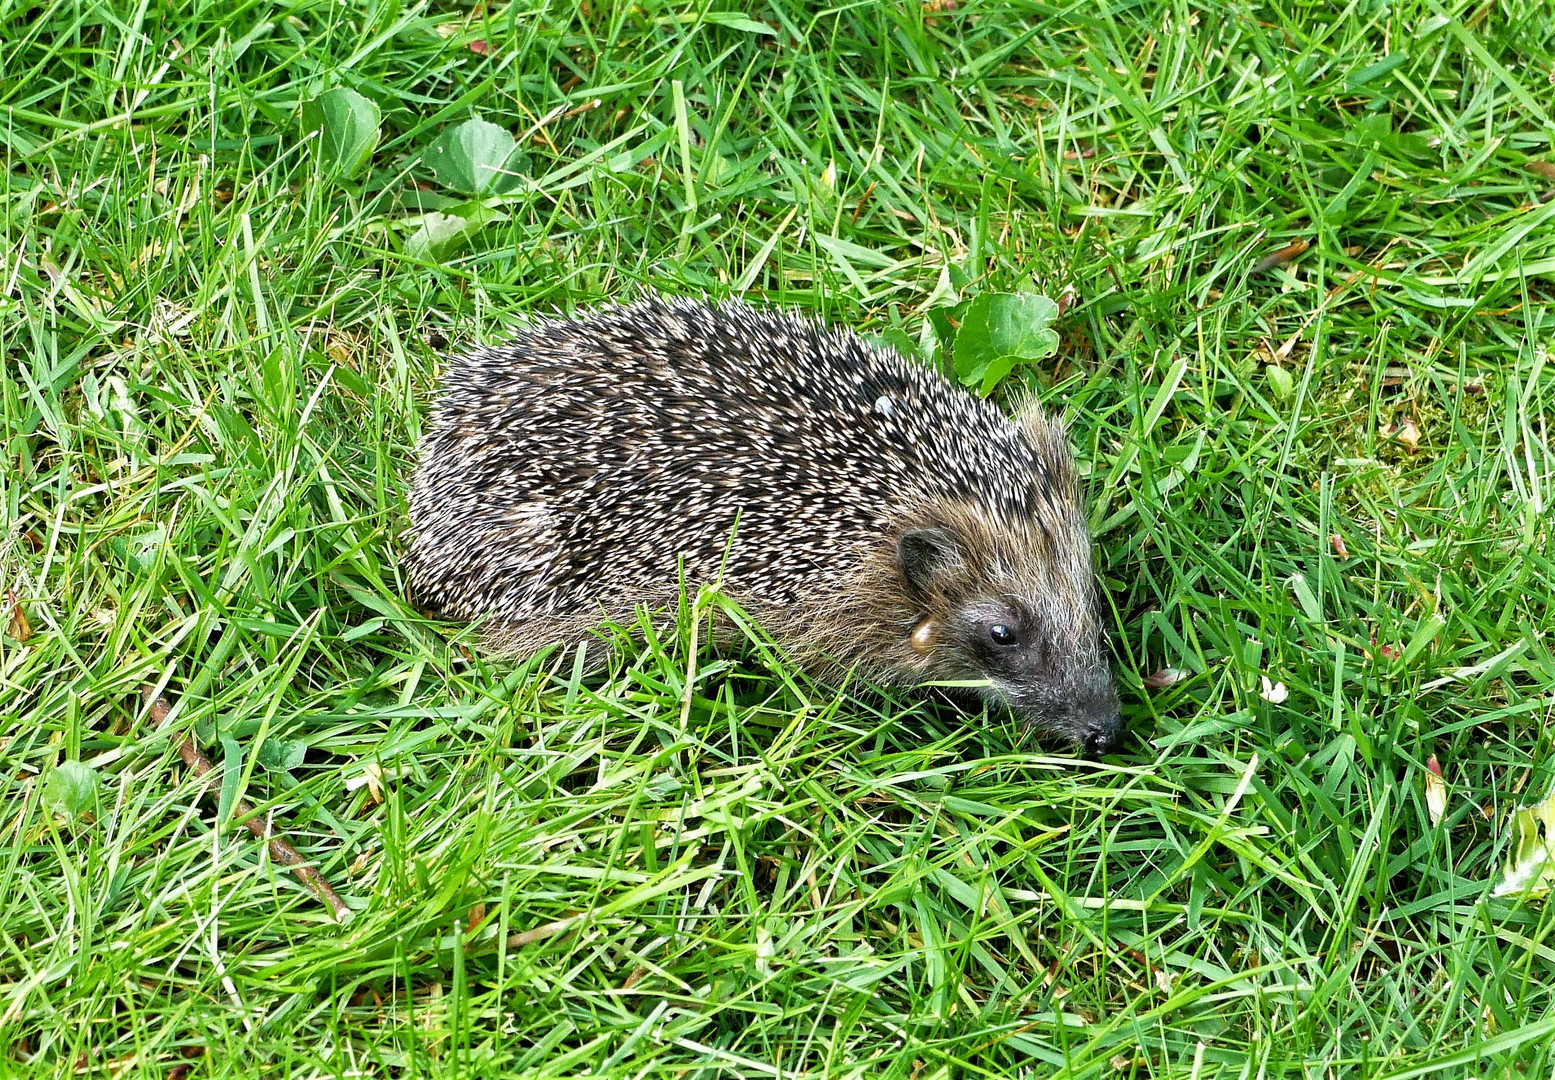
{"x": 1000, "y": 634}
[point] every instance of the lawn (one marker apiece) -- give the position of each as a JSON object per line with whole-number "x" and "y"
{"x": 1306, "y": 374}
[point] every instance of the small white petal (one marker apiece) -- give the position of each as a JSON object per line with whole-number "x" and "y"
{"x": 1274, "y": 691}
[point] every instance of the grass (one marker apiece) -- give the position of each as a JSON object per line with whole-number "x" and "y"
{"x": 216, "y": 363}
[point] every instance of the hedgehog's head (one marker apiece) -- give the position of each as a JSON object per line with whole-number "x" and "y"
{"x": 1006, "y": 595}
{"x": 1027, "y": 628}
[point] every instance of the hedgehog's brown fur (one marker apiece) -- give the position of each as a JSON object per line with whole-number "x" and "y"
{"x": 844, "y": 497}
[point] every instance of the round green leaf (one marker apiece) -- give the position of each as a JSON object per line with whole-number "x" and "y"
{"x": 72, "y": 789}
{"x": 347, "y": 130}
{"x": 281, "y": 755}
{"x": 894, "y": 337}
{"x": 440, "y": 234}
{"x": 1000, "y": 331}
{"x": 1280, "y": 381}
{"x": 477, "y": 158}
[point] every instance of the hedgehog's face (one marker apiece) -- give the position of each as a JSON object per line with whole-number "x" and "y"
{"x": 1018, "y": 611}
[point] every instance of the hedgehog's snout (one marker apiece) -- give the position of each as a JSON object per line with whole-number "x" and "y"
{"x": 1101, "y": 735}
{"x": 1097, "y": 724}
{"x": 1096, "y": 732}
{"x": 1080, "y": 704}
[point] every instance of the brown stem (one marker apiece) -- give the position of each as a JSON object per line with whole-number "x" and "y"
{"x": 540, "y": 933}
{"x": 1280, "y": 257}
{"x": 281, "y": 850}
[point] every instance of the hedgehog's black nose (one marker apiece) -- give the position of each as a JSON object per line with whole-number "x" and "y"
{"x": 1102, "y": 735}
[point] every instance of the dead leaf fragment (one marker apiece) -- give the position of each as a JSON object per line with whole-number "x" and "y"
{"x": 148, "y": 254}
{"x": 1280, "y": 257}
{"x": 1545, "y": 169}
{"x": 1339, "y": 548}
{"x": 374, "y": 774}
{"x": 481, "y": 48}
{"x": 1406, "y": 432}
{"x": 17, "y": 628}
{"x": 341, "y": 348}
{"x": 1435, "y": 790}
{"x": 1066, "y": 299}
{"x": 1170, "y": 676}
{"x": 1530, "y": 867}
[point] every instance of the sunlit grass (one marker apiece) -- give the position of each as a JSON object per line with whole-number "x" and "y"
{"x": 216, "y": 362}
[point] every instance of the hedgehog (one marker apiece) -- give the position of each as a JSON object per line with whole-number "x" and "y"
{"x": 872, "y": 516}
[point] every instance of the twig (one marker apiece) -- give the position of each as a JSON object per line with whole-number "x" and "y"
{"x": 281, "y": 850}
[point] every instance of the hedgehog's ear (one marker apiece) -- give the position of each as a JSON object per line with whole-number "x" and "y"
{"x": 926, "y": 556}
